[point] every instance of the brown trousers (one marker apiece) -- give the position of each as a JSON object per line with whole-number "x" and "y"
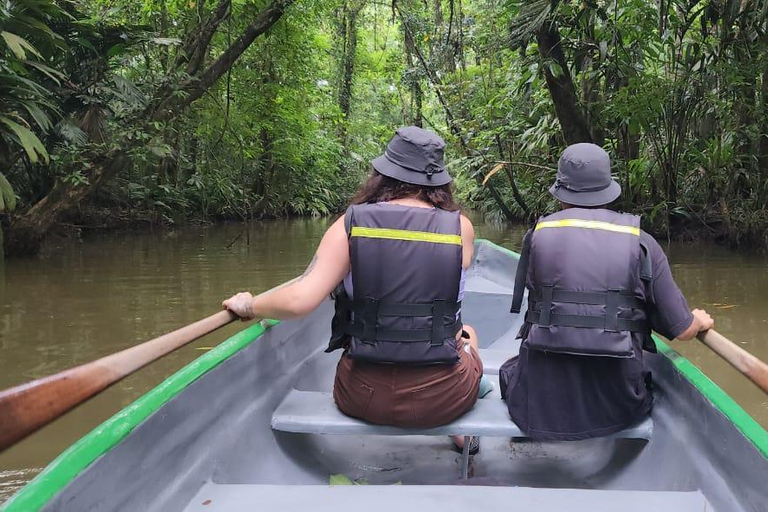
{"x": 408, "y": 396}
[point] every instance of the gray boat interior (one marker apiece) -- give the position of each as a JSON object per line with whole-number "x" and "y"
{"x": 214, "y": 448}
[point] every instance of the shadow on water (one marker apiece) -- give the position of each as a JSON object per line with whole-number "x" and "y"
{"x": 82, "y": 300}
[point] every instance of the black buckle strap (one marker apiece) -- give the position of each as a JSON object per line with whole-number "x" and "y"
{"x": 646, "y": 265}
{"x": 625, "y": 300}
{"x": 546, "y": 306}
{"x": 612, "y": 310}
{"x": 405, "y": 309}
{"x": 586, "y": 321}
{"x": 438, "y": 317}
{"x": 415, "y": 335}
{"x": 365, "y": 325}
{"x": 521, "y": 274}
{"x": 370, "y": 318}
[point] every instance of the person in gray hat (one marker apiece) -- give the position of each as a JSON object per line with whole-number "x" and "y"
{"x": 396, "y": 266}
{"x": 597, "y": 285}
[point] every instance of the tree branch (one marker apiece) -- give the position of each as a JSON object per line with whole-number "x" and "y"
{"x": 197, "y": 86}
{"x": 201, "y": 37}
{"x": 515, "y": 191}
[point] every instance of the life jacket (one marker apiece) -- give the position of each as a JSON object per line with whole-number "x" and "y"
{"x": 582, "y": 271}
{"x": 405, "y": 272}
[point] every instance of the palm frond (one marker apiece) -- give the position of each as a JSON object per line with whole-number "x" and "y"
{"x": 531, "y": 16}
{"x": 26, "y": 139}
{"x": 71, "y": 133}
{"x": 129, "y": 93}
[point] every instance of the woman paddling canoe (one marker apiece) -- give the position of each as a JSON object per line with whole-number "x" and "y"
{"x": 400, "y": 254}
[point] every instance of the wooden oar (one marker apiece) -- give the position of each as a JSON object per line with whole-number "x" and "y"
{"x": 27, "y": 407}
{"x": 752, "y": 367}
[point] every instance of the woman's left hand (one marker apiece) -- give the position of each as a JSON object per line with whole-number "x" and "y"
{"x": 241, "y": 304}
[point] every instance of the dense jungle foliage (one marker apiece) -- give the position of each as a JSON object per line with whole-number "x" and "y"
{"x": 129, "y": 111}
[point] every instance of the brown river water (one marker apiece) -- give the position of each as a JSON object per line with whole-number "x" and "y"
{"x": 81, "y": 300}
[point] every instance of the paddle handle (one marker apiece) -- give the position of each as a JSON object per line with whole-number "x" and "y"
{"x": 28, "y": 407}
{"x": 752, "y": 367}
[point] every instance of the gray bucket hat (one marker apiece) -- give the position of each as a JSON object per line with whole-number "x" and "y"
{"x": 414, "y": 156}
{"x": 584, "y": 177}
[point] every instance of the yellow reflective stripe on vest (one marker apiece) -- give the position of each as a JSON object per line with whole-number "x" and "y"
{"x": 409, "y": 236}
{"x": 588, "y": 224}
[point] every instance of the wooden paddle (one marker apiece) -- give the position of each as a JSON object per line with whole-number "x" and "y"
{"x": 28, "y": 407}
{"x": 752, "y": 367}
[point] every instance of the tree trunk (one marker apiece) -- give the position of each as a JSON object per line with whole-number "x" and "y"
{"x": 572, "y": 120}
{"x": 28, "y": 230}
{"x": 349, "y": 51}
{"x": 511, "y": 176}
{"x": 417, "y": 95}
{"x": 451, "y": 41}
{"x": 762, "y": 153}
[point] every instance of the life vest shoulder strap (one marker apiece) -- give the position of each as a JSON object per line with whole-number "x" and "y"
{"x": 521, "y": 274}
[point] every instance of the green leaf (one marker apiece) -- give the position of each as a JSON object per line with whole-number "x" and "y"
{"x": 51, "y": 73}
{"x": 40, "y": 117}
{"x": 86, "y": 44}
{"x": 161, "y": 150}
{"x": 19, "y": 46}
{"x": 7, "y": 197}
{"x": 27, "y": 140}
{"x": 340, "y": 480}
{"x": 116, "y": 50}
{"x": 555, "y": 69}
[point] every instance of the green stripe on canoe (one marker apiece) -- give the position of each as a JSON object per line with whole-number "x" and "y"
{"x": 65, "y": 468}
{"x": 746, "y": 424}
{"x": 100, "y": 440}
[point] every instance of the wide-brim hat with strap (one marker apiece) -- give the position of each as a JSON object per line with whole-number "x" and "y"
{"x": 414, "y": 156}
{"x": 584, "y": 177}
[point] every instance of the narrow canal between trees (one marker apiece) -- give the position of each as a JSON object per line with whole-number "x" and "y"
{"x": 82, "y": 300}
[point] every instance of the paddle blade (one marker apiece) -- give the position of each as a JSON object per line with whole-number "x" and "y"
{"x": 26, "y": 408}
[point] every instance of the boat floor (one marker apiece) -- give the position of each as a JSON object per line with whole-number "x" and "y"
{"x": 428, "y": 498}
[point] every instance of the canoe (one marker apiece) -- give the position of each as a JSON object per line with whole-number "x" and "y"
{"x": 251, "y": 425}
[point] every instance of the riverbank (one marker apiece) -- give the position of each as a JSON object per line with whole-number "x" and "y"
{"x": 750, "y": 236}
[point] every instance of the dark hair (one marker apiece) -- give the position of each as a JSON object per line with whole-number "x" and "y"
{"x": 379, "y": 189}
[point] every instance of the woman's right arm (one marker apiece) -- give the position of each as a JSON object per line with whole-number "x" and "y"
{"x": 303, "y": 294}
{"x": 467, "y": 242}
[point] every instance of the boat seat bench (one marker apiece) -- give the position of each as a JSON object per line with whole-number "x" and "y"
{"x": 493, "y": 359}
{"x": 435, "y": 498}
{"x": 313, "y": 412}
